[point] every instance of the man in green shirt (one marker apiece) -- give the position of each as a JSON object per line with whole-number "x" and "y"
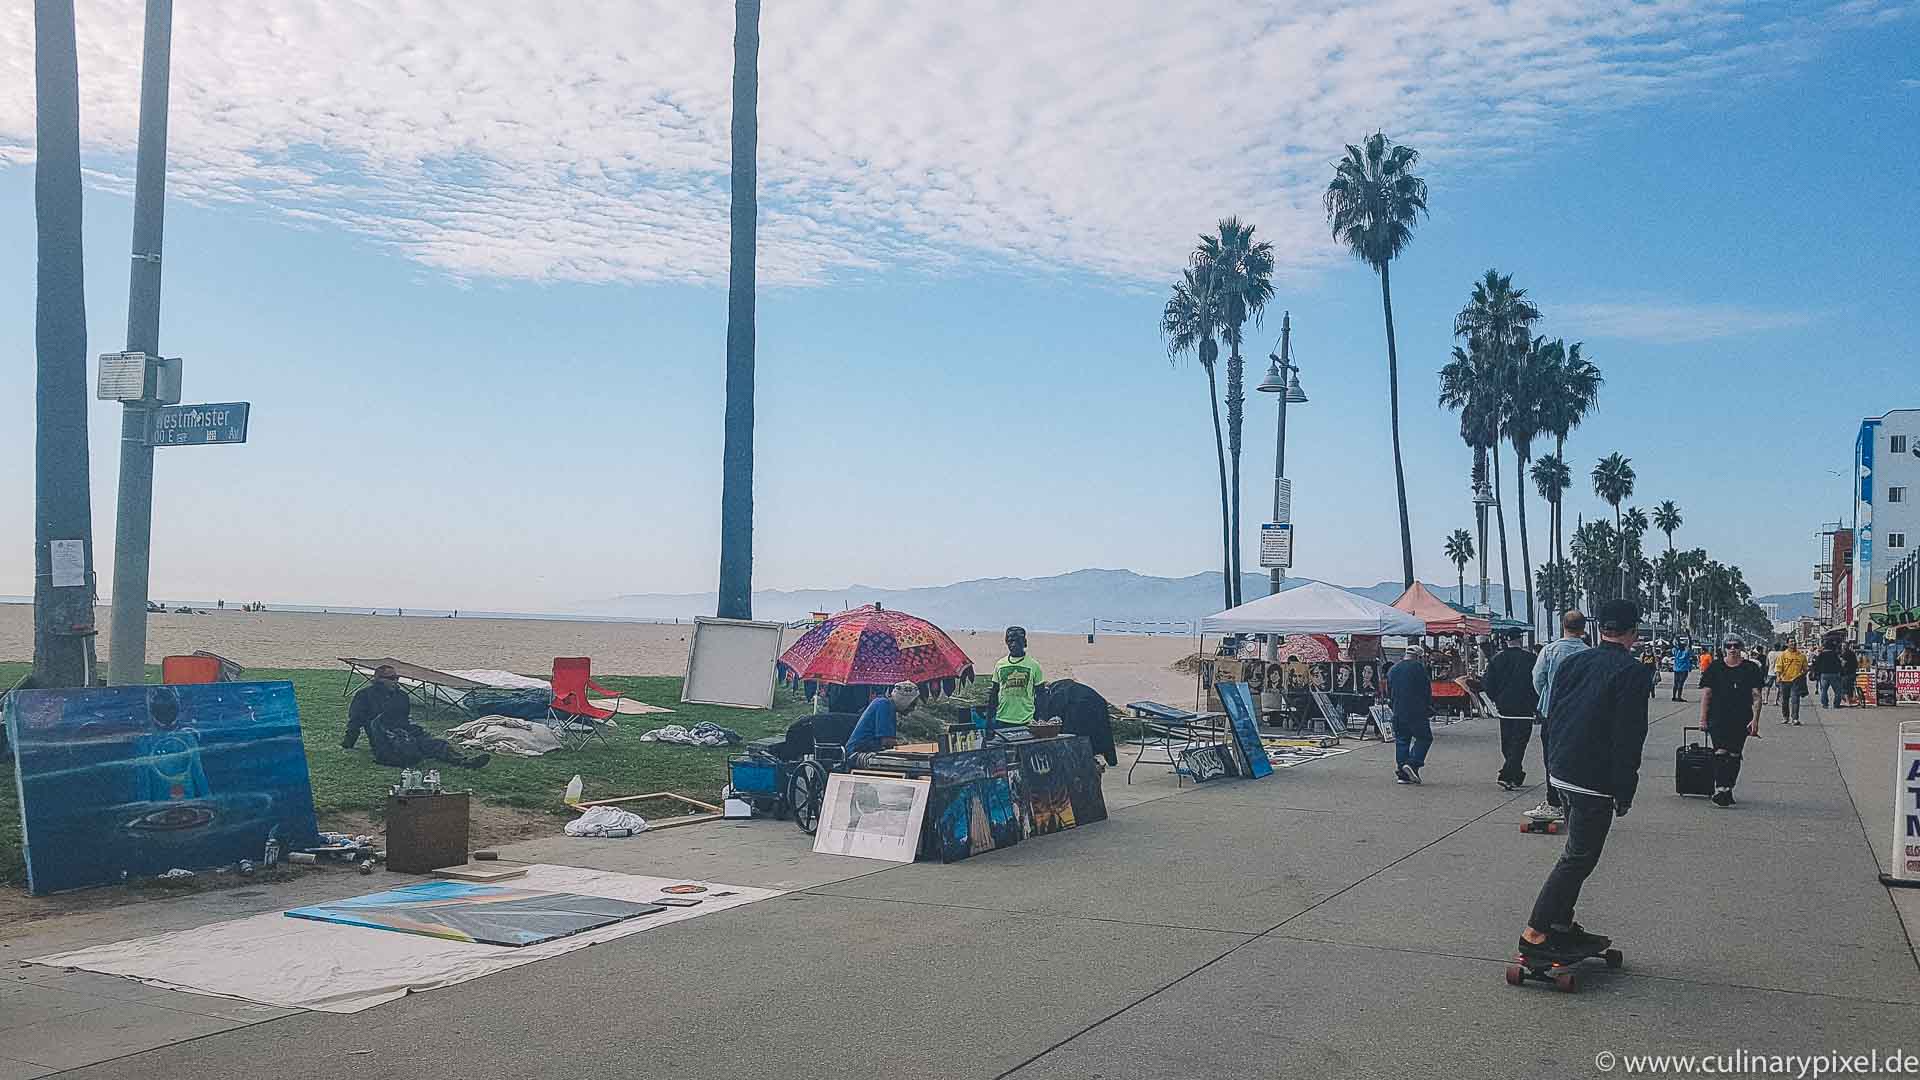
{"x": 1015, "y": 678}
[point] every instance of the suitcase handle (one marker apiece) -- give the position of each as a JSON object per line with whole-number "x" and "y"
{"x": 1692, "y": 727}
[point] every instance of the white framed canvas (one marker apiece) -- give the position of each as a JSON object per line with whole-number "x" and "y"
{"x": 731, "y": 662}
{"x": 871, "y": 817}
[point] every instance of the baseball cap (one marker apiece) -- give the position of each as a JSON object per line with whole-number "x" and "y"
{"x": 1618, "y": 615}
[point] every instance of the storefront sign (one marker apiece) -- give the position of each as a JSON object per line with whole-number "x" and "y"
{"x": 1905, "y": 858}
{"x": 1906, "y": 685}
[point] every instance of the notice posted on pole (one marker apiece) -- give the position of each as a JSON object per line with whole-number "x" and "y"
{"x": 1276, "y": 545}
{"x": 69, "y": 562}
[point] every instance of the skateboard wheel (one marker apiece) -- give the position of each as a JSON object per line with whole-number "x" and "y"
{"x": 1614, "y": 958}
{"x": 1516, "y": 975}
{"x": 1565, "y": 982}
{"x": 1526, "y": 827}
{"x": 1553, "y": 828}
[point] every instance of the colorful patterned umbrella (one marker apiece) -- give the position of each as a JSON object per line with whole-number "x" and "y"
{"x": 869, "y": 646}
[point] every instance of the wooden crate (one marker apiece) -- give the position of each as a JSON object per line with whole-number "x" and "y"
{"x": 426, "y": 832}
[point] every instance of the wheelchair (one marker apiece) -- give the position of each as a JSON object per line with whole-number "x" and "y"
{"x": 814, "y": 746}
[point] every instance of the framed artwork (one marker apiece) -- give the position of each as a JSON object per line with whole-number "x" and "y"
{"x": 482, "y": 914}
{"x": 1242, "y": 720}
{"x": 731, "y": 662}
{"x": 1059, "y": 785}
{"x": 1204, "y": 763}
{"x": 871, "y": 817}
{"x": 1343, "y": 680}
{"x": 1367, "y": 675}
{"x": 1320, "y": 676}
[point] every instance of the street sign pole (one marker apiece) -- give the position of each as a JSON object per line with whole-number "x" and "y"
{"x": 133, "y": 522}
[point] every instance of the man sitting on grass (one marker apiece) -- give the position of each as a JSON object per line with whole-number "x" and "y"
{"x": 383, "y": 710}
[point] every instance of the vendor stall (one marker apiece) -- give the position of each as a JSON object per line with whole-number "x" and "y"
{"x": 1451, "y": 693}
{"x": 1325, "y": 611}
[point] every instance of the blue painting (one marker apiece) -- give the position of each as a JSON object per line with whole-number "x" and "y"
{"x": 1245, "y": 724}
{"x": 133, "y": 781}
{"x": 971, "y": 805}
{"x": 483, "y": 914}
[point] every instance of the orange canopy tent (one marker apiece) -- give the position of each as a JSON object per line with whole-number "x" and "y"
{"x": 1440, "y": 616}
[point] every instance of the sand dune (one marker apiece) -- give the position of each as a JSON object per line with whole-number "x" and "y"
{"x": 1122, "y": 667}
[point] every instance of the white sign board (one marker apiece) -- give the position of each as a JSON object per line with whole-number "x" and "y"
{"x": 1283, "y": 496}
{"x": 1276, "y": 545}
{"x": 731, "y": 662}
{"x": 1904, "y": 860}
{"x": 69, "y": 558}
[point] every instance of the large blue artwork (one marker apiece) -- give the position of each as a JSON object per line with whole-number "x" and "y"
{"x": 1245, "y": 725}
{"x": 971, "y": 808}
{"x": 485, "y": 914}
{"x": 132, "y": 781}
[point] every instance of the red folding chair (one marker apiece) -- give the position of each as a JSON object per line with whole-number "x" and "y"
{"x": 573, "y": 718}
{"x": 188, "y": 670}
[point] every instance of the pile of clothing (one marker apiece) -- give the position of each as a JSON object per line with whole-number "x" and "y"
{"x": 705, "y": 733}
{"x": 506, "y": 735}
{"x": 606, "y": 821}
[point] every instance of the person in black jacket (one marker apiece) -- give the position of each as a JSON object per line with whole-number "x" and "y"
{"x": 382, "y": 710}
{"x": 1509, "y": 682}
{"x": 1594, "y": 737}
{"x": 1826, "y": 670}
{"x": 1082, "y": 711}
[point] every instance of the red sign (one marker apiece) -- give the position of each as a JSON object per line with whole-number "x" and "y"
{"x": 1906, "y": 685}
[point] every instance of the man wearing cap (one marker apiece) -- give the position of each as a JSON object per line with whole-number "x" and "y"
{"x": 1509, "y": 682}
{"x": 1730, "y": 711}
{"x": 878, "y": 726}
{"x": 1573, "y": 639}
{"x": 1594, "y": 736}
{"x": 383, "y": 710}
{"x": 1410, "y": 692}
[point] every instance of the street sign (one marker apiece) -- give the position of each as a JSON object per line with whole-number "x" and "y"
{"x": 1904, "y": 860}
{"x": 200, "y": 425}
{"x": 1276, "y": 545}
{"x": 1283, "y": 498}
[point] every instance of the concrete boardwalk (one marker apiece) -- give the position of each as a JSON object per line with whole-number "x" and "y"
{"x": 1324, "y": 922}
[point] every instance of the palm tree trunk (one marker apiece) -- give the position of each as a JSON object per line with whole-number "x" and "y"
{"x": 736, "y": 469}
{"x": 1559, "y": 451}
{"x": 1461, "y": 570}
{"x": 1393, "y": 413}
{"x": 1623, "y": 550}
{"x": 63, "y": 652}
{"x": 1226, "y": 519}
{"x": 1500, "y": 516}
{"x": 1236, "y": 414}
{"x": 1526, "y": 552}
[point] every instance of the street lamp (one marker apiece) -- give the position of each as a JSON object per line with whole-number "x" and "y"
{"x": 1283, "y": 378}
{"x": 1483, "y": 500}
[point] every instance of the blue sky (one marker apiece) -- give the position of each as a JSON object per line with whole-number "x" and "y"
{"x": 482, "y": 319}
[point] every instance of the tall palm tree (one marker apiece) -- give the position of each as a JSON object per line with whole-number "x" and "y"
{"x": 1576, "y": 392}
{"x": 1242, "y": 270}
{"x": 1372, "y": 204}
{"x": 1460, "y": 553}
{"x": 736, "y": 470}
{"x": 1470, "y": 384}
{"x": 1633, "y": 526}
{"x": 1191, "y": 322}
{"x": 1666, "y": 518}
{"x": 1552, "y": 479}
{"x": 1530, "y": 381}
{"x": 1613, "y": 482}
{"x": 61, "y": 489}
{"x": 1499, "y": 317}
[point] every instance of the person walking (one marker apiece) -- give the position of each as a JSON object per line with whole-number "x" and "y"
{"x": 1850, "y": 674}
{"x": 1769, "y": 661}
{"x": 1826, "y": 669}
{"x": 1410, "y": 690}
{"x": 1509, "y": 682}
{"x": 1573, "y": 639}
{"x": 1682, "y": 665}
{"x": 1594, "y": 733}
{"x": 1790, "y": 673}
{"x": 1730, "y": 712}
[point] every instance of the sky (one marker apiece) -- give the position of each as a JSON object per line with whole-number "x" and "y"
{"x": 470, "y": 269}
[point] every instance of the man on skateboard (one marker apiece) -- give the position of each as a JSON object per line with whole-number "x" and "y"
{"x": 1594, "y": 735}
{"x": 1730, "y": 711}
{"x": 1573, "y": 639}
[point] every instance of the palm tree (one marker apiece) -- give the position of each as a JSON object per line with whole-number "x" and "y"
{"x": 1576, "y": 392}
{"x": 1191, "y": 322}
{"x": 1633, "y": 526}
{"x": 1372, "y": 204}
{"x": 1242, "y": 271}
{"x": 1613, "y": 482}
{"x": 736, "y": 470}
{"x": 1460, "y": 553}
{"x": 1666, "y": 518}
{"x": 61, "y": 488}
{"x": 1530, "y": 381}
{"x": 1499, "y": 316}
{"x": 1551, "y": 479}
{"x": 1470, "y": 384}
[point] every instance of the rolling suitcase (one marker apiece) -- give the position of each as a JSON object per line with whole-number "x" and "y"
{"x": 1692, "y": 766}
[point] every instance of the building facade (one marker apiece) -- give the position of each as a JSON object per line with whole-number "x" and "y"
{"x": 1886, "y": 507}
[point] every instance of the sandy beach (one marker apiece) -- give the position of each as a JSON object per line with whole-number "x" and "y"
{"x": 1123, "y": 668}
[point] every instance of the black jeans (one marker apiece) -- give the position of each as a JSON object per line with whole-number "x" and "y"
{"x": 1729, "y": 739}
{"x": 1515, "y": 733}
{"x": 1588, "y": 819}
{"x": 1546, "y": 767}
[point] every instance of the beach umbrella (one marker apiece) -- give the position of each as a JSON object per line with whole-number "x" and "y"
{"x": 870, "y": 646}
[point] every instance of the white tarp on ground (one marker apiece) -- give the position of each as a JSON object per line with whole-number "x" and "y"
{"x": 1315, "y": 608}
{"x": 301, "y": 964}
{"x": 506, "y": 735}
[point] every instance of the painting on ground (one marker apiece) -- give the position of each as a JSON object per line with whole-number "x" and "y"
{"x": 1060, "y": 785}
{"x": 1245, "y": 725}
{"x": 871, "y": 817}
{"x": 132, "y": 781}
{"x": 483, "y": 914}
{"x": 972, "y": 806}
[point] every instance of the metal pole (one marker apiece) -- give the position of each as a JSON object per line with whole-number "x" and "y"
{"x": 1484, "y": 605}
{"x": 1280, "y": 439}
{"x": 133, "y": 521}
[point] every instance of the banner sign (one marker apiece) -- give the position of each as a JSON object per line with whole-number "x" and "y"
{"x": 1904, "y": 860}
{"x": 1276, "y": 545}
{"x": 1906, "y": 685}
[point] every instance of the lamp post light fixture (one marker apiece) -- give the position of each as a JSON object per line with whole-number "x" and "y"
{"x": 1483, "y": 501}
{"x": 1283, "y": 379}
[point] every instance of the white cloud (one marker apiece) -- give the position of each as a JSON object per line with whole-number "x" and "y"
{"x": 566, "y": 140}
{"x": 1670, "y": 323}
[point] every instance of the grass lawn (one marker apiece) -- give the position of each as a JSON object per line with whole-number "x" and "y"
{"x": 347, "y": 782}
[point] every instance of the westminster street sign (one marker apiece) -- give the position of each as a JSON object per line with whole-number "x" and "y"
{"x": 200, "y": 425}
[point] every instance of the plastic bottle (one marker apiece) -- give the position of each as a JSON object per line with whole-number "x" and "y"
{"x": 271, "y": 858}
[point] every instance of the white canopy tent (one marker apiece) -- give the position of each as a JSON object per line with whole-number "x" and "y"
{"x": 1315, "y": 608}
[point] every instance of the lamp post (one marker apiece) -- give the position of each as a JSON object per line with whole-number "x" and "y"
{"x": 1283, "y": 378}
{"x": 1483, "y": 500}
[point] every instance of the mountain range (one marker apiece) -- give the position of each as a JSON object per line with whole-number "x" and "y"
{"x": 1063, "y": 603}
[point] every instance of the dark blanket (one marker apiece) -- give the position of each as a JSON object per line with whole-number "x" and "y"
{"x": 1082, "y": 711}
